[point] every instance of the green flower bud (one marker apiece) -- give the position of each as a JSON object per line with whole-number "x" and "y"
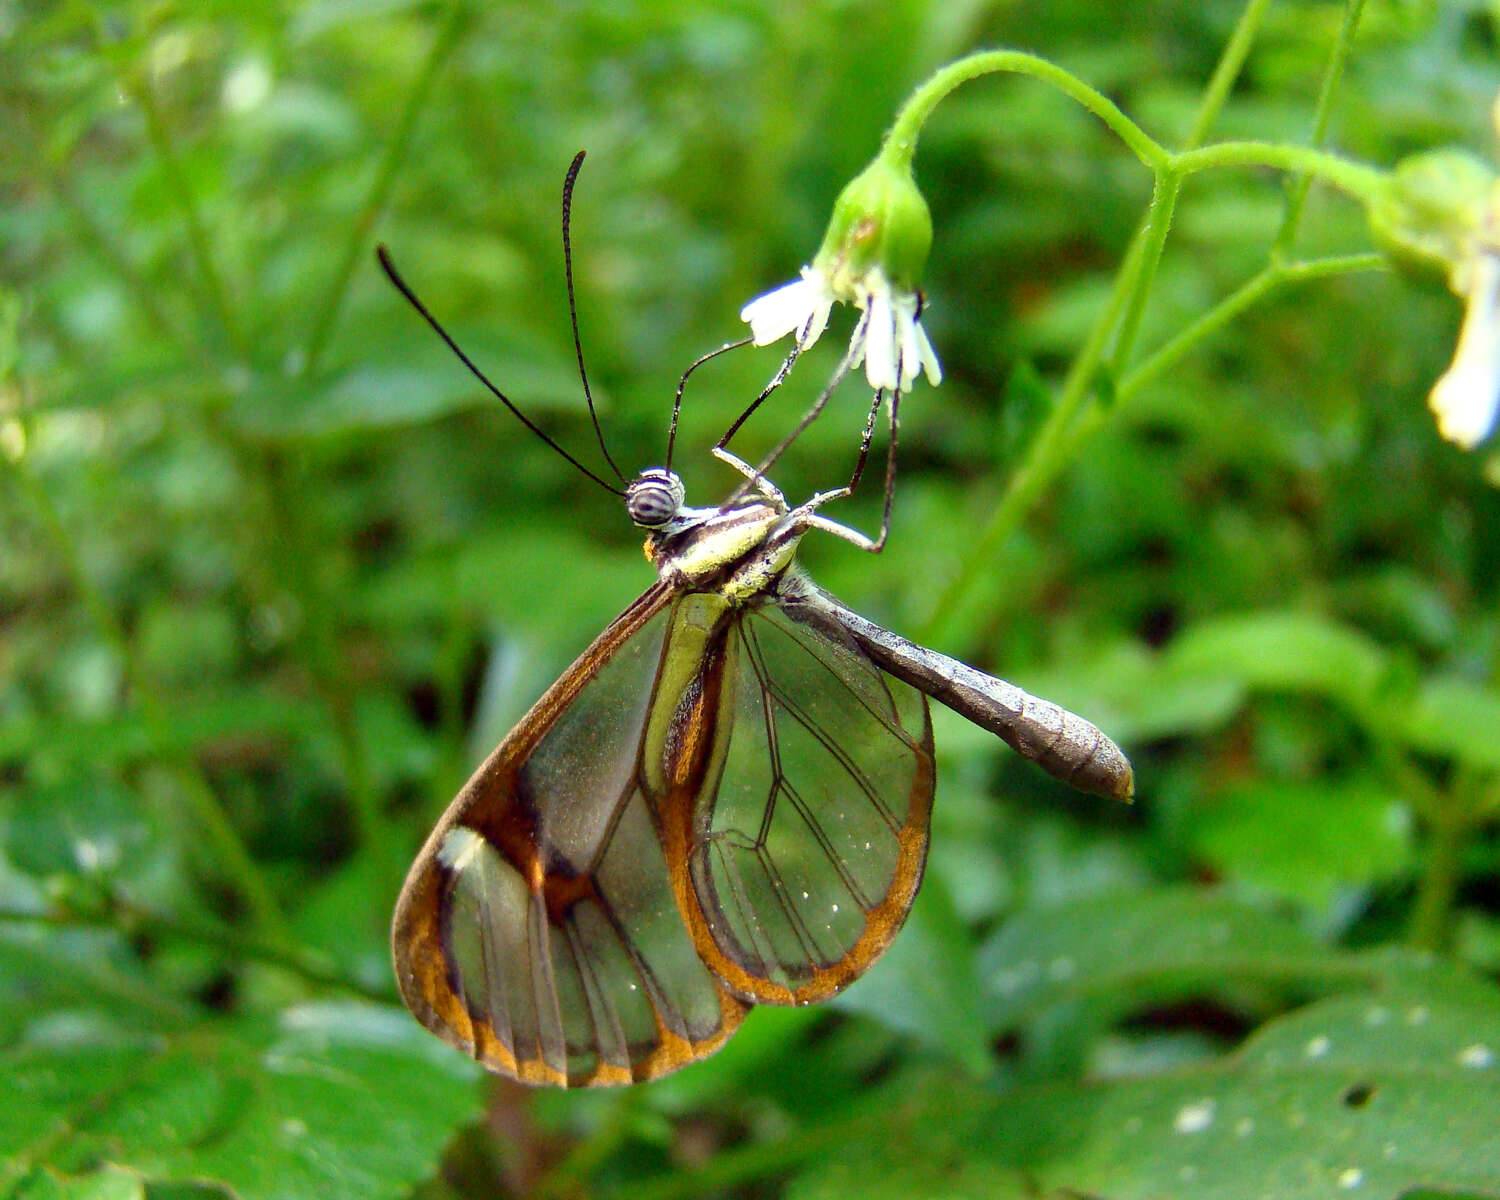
{"x": 880, "y": 223}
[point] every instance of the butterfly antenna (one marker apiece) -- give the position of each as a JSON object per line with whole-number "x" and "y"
{"x": 682, "y": 383}
{"x": 567, "y": 239}
{"x": 411, "y": 298}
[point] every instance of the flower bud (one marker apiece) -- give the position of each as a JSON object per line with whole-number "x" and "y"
{"x": 1432, "y": 210}
{"x": 880, "y": 223}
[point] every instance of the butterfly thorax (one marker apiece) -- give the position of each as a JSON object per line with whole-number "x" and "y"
{"x": 738, "y": 553}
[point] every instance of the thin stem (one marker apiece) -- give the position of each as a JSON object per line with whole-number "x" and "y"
{"x": 127, "y": 918}
{"x": 901, "y": 142}
{"x": 1241, "y": 300}
{"x": 227, "y": 851}
{"x": 1431, "y": 915}
{"x": 197, "y": 232}
{"x": 296, "y": 549}
{"x": 1332, "y": 76}
{"x": 569, "y": 1176}
{"x": 1363, "y": 183}
{"x": 1059, "y": 442}
{"x": 91, "y": 236}
{"x": 1169, "y": 183}
{"x": 395, "y": 154}
{"x": 1153, "y": 240}
{"x": 1054, "y": 447}
{"x": 1231, "y": 62}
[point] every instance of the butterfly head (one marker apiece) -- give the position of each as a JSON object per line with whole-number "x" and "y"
{"x": 654, "y": 498}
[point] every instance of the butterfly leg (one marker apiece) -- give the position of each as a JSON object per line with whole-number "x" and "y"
{"x": 807, "y": 514}
{"x": 846, "y": 364}
{"x": 758, "y": 481}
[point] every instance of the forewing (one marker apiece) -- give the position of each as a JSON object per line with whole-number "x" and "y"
{"x": 538, "y": 930}
{"x": 808, "y": 848}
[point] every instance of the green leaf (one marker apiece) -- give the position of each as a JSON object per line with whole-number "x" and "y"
{"x": 1062, "y": 975}
{"x": 1285, "y": 651}
{"x": 1301, "y": 652}
{"x": 1360, "y": 1095}
{"x": 1347, "y": 1095}
{"x": 107, "y": 1183}
{"x": 1455, "y": 718}
{"x": 330, "y": 1098}
{"x": 1303, "y": 841}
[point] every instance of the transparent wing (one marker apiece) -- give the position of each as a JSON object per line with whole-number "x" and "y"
{"x": 538, "y": 929}
{"x": 808, "y": 842}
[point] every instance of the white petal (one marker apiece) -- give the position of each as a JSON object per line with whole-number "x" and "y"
{"x": 799, "y": 307}
{"x": 928, "y": 355}
{"x": 1466, "y": 400}
{"x": 906, "y": 338}
{"x": 812, "y": 329}
{"x": 880, "y": 341}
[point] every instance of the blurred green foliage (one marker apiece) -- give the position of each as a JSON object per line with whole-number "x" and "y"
{"x": 276, "y": 572}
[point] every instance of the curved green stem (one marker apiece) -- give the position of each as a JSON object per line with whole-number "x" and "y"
{"x": 901, "y": 142}
{"x": 1068, "y": 429}
{"x": 1365, "y": 184}
{"x": 1078, "y": 413}
{"x": 1152, "y": 240}
{"x": 1060, "y": 437}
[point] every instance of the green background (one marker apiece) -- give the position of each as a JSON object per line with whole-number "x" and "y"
{"x": 274, "y": 573}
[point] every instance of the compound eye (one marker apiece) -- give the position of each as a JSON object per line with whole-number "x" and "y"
{"x": 654, "y": 498}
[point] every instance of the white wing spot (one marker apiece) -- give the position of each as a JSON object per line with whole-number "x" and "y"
{"x": 1194, "y": 1118}
{"x": 1351, "y": 1177}
{"x": 1317, "y": 1047}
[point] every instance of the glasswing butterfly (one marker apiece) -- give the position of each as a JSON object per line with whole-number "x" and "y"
{"x": 723, "y": 802}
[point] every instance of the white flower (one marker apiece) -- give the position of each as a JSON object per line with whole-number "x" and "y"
{"x": 871, "y": 257}
{"x": 894, "y": 340}
{"x": 889, "y": 339}
{"x": 799, "y": 307}
{"x": 1466, "y": 400}
{"x": 1467, "y": 397}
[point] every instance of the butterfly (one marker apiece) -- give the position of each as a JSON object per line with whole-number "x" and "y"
{"x": 723, "y": 802}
